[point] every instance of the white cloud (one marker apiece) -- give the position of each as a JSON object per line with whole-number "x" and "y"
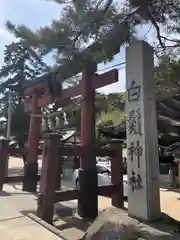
{"x": 5, "y": 34}
{"x": 33, "y": 13}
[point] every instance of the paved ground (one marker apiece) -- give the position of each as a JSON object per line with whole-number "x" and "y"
{"x": 15, "y": 226}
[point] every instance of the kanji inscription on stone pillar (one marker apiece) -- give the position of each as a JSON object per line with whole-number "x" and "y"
{"x": 142, "y": 146}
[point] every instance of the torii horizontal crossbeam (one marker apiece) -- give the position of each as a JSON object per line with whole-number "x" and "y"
{"x": 98, "y": 81}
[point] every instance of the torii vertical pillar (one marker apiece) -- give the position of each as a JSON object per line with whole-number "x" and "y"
{"x": 31, "y": 166}
{"x": 88, "y": 201}
{"x": 117, "y": 199}
{"x": 48, "y": 179}
{"x": 3, "y": 160}
{"x": 142, "y": 143}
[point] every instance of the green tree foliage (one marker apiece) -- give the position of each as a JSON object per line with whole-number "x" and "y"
{"x": 164, "y": 17}
{"x": 20, "y": 122}
{"x": 73, "y": 112}
{"x": 21, "y": 64}
{"x": 101, "y": 22}
{"x": 101, "y": 101}
{"x": 81, "y": 23}
{"x": 109, "y": 110}
{"x": 167, "y": 74}
{"x": 116, "y": 102}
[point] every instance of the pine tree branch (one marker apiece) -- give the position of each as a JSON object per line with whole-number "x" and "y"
{"x": 106, "y": 8}
{"x": 157, "y": 29}
{"x": 60, "y": 1}
{"x": 171, "y": 40}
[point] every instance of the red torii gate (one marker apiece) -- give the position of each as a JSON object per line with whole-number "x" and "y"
{"x": 37, "y": 99}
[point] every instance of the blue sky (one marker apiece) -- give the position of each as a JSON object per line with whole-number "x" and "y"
{"x": 38, "y": 13}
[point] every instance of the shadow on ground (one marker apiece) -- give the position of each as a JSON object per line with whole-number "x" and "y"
{"x": 15, "y": 171}
{"x": 68, "y": 223}
{"x": 167, "y": 224}
{"x": 169, "y": 189}
{"x": 18, "y": 191}
{"x": 18, "y": 171}
{"x": 4, "y": 194}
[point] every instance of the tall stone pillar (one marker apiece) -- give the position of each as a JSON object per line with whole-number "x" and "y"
{"x": 31, "y": 166}
{"x": 142, "y": 144}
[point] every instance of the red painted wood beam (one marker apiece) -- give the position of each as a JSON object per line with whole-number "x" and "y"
{"x": 68, "y": 195}
{"x": 98, "y": 82}
{"x": 78, "y": 151}
{"x": 36, "y": 87}
{"x": 17, "y": 151}
{"x": 14, "y": 151}
{"x": 40, "y": 87}
{"x": 28, "y": 105}
{"x": 107, "y": 191}
{"x": 13, "y": 179}
{"x": 16, "y": 179}
{"x": 70, "y": 151}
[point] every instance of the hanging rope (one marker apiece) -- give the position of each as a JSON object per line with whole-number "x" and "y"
{"x": 48, "y": 115}
{"x": 170, "y": 146}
